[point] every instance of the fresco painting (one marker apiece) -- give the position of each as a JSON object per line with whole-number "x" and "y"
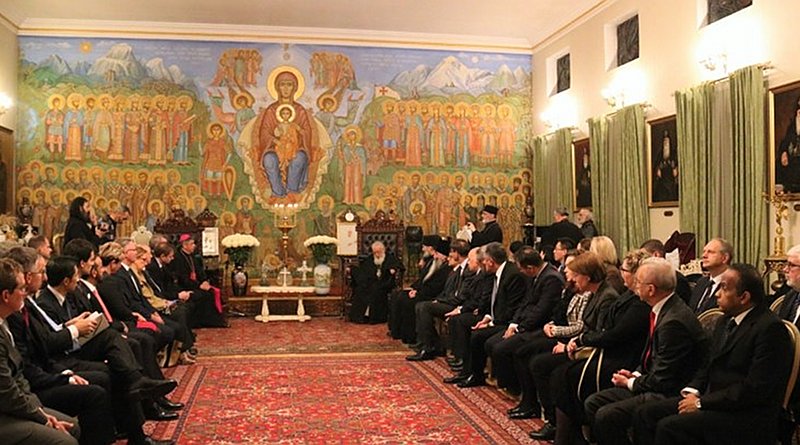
{"x": 428, "y": 136}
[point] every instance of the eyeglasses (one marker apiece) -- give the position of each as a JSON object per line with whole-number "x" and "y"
{"x": 790, "y": 265}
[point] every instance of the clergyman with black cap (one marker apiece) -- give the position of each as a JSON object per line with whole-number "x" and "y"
{"x": 491, "y": 232}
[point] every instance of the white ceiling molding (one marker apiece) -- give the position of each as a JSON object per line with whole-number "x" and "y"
{"x": 277, "y": 34}
{"x": 574, "y": 23}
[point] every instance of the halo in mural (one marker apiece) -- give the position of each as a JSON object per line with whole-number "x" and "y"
{"x": 327, "y": 97}
{"x": 51, "y": 101}
{"x": 301, "y": 82}
{"x": 352, "y": 128}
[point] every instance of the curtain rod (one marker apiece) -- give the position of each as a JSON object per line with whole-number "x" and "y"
{"x": 571, "y": 128}
{"x": 645, "y": 106}
{"x": 766, "y": 66}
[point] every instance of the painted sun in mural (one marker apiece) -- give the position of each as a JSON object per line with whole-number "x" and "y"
{"x": 86, "y": 47}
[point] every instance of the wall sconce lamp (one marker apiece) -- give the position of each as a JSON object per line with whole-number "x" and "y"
{"x": 614, "y": 98}
{"x": 5, "y": 103}
{"x": 715, "y": 63}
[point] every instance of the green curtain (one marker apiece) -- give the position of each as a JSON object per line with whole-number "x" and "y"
{"x": 552, "y": 177}
{"x": 750, "y": 238}
{"x": 619, "y": 177}
{"x": 721, "y": 160}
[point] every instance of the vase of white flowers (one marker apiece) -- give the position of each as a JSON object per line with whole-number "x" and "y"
{"x": 323, "y": 248}
{"x": 239, "y": 247}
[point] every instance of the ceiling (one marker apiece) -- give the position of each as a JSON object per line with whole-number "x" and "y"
{"x": 513, "y": 23}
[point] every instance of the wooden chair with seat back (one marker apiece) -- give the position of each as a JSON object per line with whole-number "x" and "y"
{"x": 382, "y": 227}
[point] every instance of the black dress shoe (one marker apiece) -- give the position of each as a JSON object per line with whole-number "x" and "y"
{"x": 193, "y": 350}
{"x": 455, "y": 363}
{"x": 169, "y": 405}
{"x": 152, "y": 411}
{"x": 457, "y": 369}
{"x": 455, "y": 379}
{"x": 151, "y": 388}
{"x": 523, "y": 414}
{"x": 472, "y": 382}
{"x": 422, "y": 355}
{"x": 514, "y": 409}
{"x": 547, "y": 432}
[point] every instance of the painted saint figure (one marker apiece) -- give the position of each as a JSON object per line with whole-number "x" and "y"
{"x": 354, "y": 160}
{"x": 215, "y": 156}
{"x": 285, "y": 87}
{"x": 54, "y": 125}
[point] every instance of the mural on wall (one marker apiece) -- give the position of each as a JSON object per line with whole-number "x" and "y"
{"x": 243, "y": 128}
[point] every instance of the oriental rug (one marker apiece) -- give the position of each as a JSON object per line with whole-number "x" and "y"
{"x": 373, "y": 398}
{"x": 318, "y": 335}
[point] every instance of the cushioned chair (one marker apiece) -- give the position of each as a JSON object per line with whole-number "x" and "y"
{"x": 382, "y": 227}
{"x": 776, "y": 305}
{"x": 708, "y": 319}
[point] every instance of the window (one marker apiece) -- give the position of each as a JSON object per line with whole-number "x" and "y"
{"x": 719, "y": 9}
{"x": 562, "y": 73}
{"x": 628, "y": 40}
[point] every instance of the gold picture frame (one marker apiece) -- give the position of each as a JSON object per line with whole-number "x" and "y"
{"x": 663, "y": 180}
{"x": 581, "y": 175}
{"x": 784, "y": 142}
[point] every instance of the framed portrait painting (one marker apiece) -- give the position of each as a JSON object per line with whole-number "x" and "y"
{"x": 663, "y": 183}
{"x": 581, "y": 174}
{"x": 784, "y": 137}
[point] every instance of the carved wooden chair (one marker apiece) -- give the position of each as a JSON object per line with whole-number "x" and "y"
{"x": 382, "y": 227}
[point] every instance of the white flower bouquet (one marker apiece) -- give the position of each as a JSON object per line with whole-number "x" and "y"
{"x": 322, "y": 247}
{"x": 239, "y": 246}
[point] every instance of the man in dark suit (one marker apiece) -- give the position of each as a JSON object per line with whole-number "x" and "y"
{"x": 790, "y": 311}
{"x": 450, "y": 297}
{"x": 373, "y": 280}
{"x": 541, "y": 299}
{"x": 477, "y": 291}
{"x": 675, "y": 350}
{"x": 24, "y": 418}
{"x": 561, "y": 228}
{"x": 508, "y": 293}
{"x": 433, "y": 276}
{"x": 656, "y": 248}
{"x": 491, "y": 232}
{"x": 736, "y": 397}
{"x": 717, "y": 255}
{"x": 188, "y": 270}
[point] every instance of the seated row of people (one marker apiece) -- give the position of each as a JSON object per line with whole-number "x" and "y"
{"x": 81, "y": 334}
{"x": 629, "y": 361}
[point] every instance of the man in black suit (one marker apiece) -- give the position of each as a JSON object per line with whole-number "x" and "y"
{"x": 736, "y": 397}
{"x": 450, "y": 297}
{"x": 24, "y": 418}
{"x": 188, "y": 270}
{"x": 491, "y": 232}
{"x": 675, "y": 349}
{"x": 561, "y": 228}
{"x": 508, "y": 293}
{"x": 717, "y": 255}
{"x": 432, "y": 278}
{"x": 477, "y": 291}
{"x": 541, "y": 299}
{"x": 790, "y": 311}
{"x": 373, "y": 280}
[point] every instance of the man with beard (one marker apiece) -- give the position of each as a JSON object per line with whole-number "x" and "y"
{"x": 80, "y": 223}
{"x": 432, "y": 278}
{"x": 491, "y": 232}
{"x": 426, "y": 312}
{"x": 374, "y": 278}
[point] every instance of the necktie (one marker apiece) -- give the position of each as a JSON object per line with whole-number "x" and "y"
{"x": 649, "y": 340}
{"x": 26, "y": 317}
{"x": 135, "y": 284}
{"x": 102, "y": 306}
{"x": 709, "y": 290}
{"x": 494, "y": 294}
{"x": 458, "y": 280}
{"x": 151, "y": 281}
{"x": 726, "y": 333}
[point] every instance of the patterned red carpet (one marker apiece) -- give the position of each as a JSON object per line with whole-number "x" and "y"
{"x": 349, "y": 398}
{"x": 318, "y": 335}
